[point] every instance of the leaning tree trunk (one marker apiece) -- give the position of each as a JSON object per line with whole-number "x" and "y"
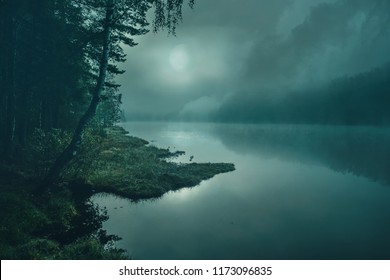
{"x": 74, "y": 146}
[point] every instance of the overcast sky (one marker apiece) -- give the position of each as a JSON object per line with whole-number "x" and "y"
{"x": 229, "y": 48}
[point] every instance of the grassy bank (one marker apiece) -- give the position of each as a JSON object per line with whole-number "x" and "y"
{"x": 131, "y": 168}
{"x": 63, "y": 224}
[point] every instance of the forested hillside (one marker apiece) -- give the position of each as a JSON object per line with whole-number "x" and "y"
{"x": 361, "y": 99}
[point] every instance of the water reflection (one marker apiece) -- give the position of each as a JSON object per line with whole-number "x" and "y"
{"x": 284, "y": 201}
{"x": 363, "y": 151}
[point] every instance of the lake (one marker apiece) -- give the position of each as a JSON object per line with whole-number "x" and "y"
{"x": 298, "y": 192}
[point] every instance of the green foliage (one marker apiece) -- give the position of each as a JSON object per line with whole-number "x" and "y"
{"x": 109, "y": 110}
{"x": 50, "y": 64}
{"x": 81, "y": 164}
{"x": 60, "y": 210}
{"x": 54, "y": 226}
{"x": 63, "y": 224}
{"x": 38, "y": 249}
{"x": 19, "y": 217}
{"x": 127, "y": 166}
{"x": 44, "y": 147}
{"x": 44, "y": 90}
{"x": 90, "y": 248}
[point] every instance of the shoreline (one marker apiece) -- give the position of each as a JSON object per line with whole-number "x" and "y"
{"x": 130, "y": 167}
{"x": 62, "y": 224}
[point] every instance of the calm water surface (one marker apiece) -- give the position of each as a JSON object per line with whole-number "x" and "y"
{"x": 298, "y": 192}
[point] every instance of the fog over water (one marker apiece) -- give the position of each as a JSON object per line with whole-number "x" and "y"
{"x": 298, "y": 192}
{"x": 257, "y": 53}
{"x": 296, "y": 94}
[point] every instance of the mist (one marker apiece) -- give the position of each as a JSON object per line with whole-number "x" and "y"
{"x": 264, "y": 62}
{"x": 241, "y": 130}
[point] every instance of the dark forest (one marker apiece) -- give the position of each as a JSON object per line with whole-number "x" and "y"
{"x": 291, "y": 100}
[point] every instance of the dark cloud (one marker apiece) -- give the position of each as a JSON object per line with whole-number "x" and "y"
{"x": 334, "y": 39}
{"x": 234, "y": 48}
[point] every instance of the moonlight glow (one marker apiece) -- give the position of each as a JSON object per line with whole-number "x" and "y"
{"x": 178, "y": 58}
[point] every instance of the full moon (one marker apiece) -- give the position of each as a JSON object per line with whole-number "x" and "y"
{"x": 178, "y": 58}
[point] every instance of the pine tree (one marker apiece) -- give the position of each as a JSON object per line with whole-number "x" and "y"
{"x": 113, "y": 22}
